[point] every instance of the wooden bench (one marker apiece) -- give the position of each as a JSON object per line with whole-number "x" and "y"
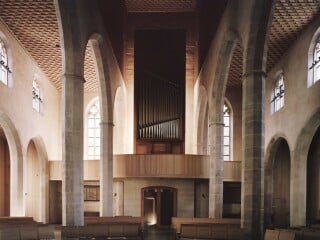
{"x": 292, "y": 234}
{"x": 116, "y": 219}
{"x": 210, "y": 231}
{"x": 109, "y": 231}
{"x": 177, "y": 221}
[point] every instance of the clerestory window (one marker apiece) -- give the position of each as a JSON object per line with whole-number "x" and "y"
{"x": 93, "y": 134}
{"x": 316, "y": 62}
{"x": 314, "y": 59}
{"x": 36, "y": 95}
{"x": 4, "y": 69}
{"x": 277, "y": 94}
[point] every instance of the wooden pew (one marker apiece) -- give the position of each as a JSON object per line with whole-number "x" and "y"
{"x": 210, "y": 231}
{"x": 110, "y": 231}
{"x": 177, "y": 221}
{"x": 116, "y": 219}
{"x": 271, "y": 234}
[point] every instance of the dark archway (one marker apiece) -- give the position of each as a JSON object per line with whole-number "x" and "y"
{"x": 159, "y": 205}
{"x": 4, "y": 175}
{"x": 281, "y": 184}
{"x": 313, "y": 178}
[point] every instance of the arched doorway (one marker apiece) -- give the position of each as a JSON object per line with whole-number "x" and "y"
{"x": 313, "y": 178}
{"x": 159, "y": 205}
{"x": 281, "y": 184}
{"x": 33, "y": 183}
{"x": 4, "y": 175}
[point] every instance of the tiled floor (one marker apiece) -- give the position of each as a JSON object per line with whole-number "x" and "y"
{"x": 159, "y": 233}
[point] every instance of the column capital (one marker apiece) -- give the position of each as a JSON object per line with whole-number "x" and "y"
{"x": 107, "y": 124}
{"x": 254, "y": 72}
{"x": 74, "y": 76}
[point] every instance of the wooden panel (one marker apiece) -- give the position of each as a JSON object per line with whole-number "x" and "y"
{"x": 232, "y": 171}
{"x": 153, "y": 165}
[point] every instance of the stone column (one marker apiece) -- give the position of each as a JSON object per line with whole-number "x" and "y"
{"x": 72, "y": 150}
{"x": 216, "y": 170}
{"x": 106, "y": 169}
{"x": 298, "y": 187}
{"x": 252, "y": 188}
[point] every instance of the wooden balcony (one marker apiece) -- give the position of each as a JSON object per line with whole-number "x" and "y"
{"x": 157, "y": 166}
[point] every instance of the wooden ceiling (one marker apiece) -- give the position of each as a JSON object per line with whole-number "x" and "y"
{"x": 34, "y": 24}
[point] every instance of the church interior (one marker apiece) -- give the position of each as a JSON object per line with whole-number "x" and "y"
{"x": 188, "y": 113}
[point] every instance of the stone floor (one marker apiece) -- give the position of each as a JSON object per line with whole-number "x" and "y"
{"x": 159, "y": 233}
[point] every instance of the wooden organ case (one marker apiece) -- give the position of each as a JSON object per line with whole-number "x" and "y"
{"x": 159, "y": 91}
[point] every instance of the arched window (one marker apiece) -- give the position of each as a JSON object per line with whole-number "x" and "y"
{"x": 93, "y": 134}
{"x": 226, "y": 133}
{"x": 36, "y": 95}
{"x": 277, "y": 94}
{"x": 3, "y": 64}
{"x": 316, "y": 61}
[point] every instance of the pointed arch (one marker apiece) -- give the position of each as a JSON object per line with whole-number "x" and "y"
{"x": 277, "y": 173}
{"x": 38, "y": 158}
{"x": 298, "y": 191}
{"x": 16, "y": 165}
{"x": 216, "y": 95}
{"x": 201, "y": 120}
{"x": 103, "y": 64}
{"x": 119, "y": 118}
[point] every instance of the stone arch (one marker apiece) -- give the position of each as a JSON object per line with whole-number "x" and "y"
{"x": 278, "y": 162}
{"x": 313, "y": 178}
{"x": 38, "y": 180}
{"x": 201, "y": 121}
{"x": 299, "y": 170}
{"x": 254, "y": 36}
{"x": 216, "y": 95}
{"x": 119, "y": 117}
{"x": 101, "y": 49}
{"x": 16, "y": 165}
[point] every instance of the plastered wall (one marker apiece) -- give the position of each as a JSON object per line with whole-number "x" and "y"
{"x": 300, "y": 101}
{"x": 16, "y": 100}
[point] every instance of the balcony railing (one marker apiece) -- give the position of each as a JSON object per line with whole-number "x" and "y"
{"x": 161, "y": 165}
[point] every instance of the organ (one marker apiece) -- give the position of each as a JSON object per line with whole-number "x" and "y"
{"x": 159, "y": 75}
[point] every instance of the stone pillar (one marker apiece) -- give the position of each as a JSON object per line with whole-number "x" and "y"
{"x": 298, "y": 188}
{"x": 216, "y": 170}
{"x": 252, "y": 188}
{"x": 72, "y": 150}
{"x": 106, "y": 169}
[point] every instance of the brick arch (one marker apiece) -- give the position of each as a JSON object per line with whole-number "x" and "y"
{"x": 16, "y": 165}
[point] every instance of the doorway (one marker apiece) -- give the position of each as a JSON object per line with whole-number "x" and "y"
{"x": 159, "y": 205}
{"x": 281, "y": 185}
